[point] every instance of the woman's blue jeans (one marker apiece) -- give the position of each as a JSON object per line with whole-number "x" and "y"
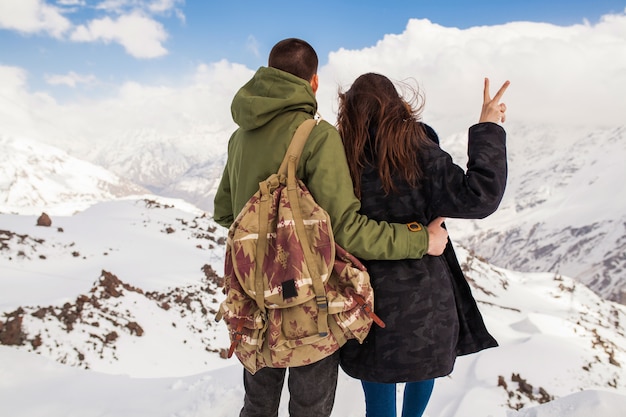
{"x": 380, "y": 399}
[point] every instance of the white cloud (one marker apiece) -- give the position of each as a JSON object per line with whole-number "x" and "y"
{"x": 148, "y": 6}
{"x": 559, "y": 75}
{"x": 71, "y": 2}
{"x": 12, "y": 81}
{"x": 134, "y": 29}
{"x": 23, "y": 113}
{"x": 70, "y": 79}
{"x": 32, "y": 16}
{"x": 140, "y": 36}
{"x": 161, "y": 6}
{"x": 165, "y": 7}
{"x": 114, "y": 5}
{"x": 252, "y": 44}
{"x": 201, "y": 99}
{"x": 180, "y": 15}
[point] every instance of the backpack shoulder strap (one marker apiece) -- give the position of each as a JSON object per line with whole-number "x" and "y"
{"x": 288, "y": 168}
{"x": 297, "y": 144}
{"x": 292, "y": 155}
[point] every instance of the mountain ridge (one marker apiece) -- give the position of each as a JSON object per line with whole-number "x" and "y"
{"x": 36, "y": 177}
{"x": 561, "y": 212}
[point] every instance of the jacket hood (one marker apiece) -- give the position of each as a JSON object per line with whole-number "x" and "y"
{"x": 269, "y": 93}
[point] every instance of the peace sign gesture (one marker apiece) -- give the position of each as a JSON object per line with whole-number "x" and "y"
{"x": 493, "y": 111}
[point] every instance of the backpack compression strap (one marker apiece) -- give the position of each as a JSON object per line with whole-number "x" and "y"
{"x": 293, "y": 155}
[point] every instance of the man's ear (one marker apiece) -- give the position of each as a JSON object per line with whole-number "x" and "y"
{"x": 315, "y": 82}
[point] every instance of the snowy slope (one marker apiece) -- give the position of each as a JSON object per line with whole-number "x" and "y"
{"x": 131, "y": 316}
{"x": 120, "y": 292}
{"x": 35, "y": 177}
{"x": 564, "y": 209}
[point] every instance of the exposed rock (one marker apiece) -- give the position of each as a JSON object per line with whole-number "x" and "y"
{"x": 11, "y": 333}
{"x": 524, "y": 394}
{"x": 44, "y": 220}
{"x": 101, "y": 315}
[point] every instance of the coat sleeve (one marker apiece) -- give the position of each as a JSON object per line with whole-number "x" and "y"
{"x": 478, "y": 191}
{"x": 327, "y": 177}
{"x": 222, "y": 203}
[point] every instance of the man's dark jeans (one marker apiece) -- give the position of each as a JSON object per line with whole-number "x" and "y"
{"x": 311, "y": 389}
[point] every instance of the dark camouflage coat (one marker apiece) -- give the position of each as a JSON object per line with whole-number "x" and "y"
{"x": 430, "y": 314}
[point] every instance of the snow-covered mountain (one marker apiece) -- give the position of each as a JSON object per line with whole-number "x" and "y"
{"x": 127, "y": 290}
{"x": 188, "y": 165}
{"x": 198, "y": 184}
{"x": 35, "y": 177}
{"x": 564, "y": 210}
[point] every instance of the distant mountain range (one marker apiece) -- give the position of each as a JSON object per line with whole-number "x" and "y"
{"x": 36, "y": 177}
{"x": 564, "y": 210}
{"x": 188, "y": 166}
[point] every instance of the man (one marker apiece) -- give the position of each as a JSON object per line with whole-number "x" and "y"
{"x": 268, "y": 109}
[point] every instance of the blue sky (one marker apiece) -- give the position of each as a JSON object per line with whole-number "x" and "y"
{"x": 76, "y": 69}
{"x": 222, "y": 30}
{"x": 186, "y": 33}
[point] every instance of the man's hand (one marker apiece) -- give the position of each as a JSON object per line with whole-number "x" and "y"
{"x": 437, "y": 237}
{"x": 493, "y": 110}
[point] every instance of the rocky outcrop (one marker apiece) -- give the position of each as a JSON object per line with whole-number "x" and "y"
{"x": 44, "y": 220}
{"x": 96, "y": 321}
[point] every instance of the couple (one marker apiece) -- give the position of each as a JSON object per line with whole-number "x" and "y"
{"x": 375, "y": 174}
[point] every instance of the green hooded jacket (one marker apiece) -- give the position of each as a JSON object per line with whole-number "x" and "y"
{"x": 268, "y": 109}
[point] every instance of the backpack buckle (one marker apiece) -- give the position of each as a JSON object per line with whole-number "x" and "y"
{"x": 322, "y": 302}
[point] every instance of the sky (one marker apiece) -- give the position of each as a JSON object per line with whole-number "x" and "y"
{"x": 76, "y": 72}
{"x": 87, "y": 45}
{"x": 553, "y": 332}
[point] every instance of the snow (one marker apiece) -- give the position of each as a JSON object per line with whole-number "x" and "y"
{"x": 564, "y": 208}
{"x": 33, "y": 174}
{"x": 589, "y": 403}
{"x": 555, "y": 334}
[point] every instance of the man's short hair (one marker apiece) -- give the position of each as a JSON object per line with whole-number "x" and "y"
{"x": 294, "y": 56}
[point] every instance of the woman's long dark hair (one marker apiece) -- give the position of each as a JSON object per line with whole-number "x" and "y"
{"x": 381, "y": 128}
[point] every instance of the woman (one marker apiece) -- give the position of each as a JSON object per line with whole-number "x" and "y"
{"x": 401, "y": 175}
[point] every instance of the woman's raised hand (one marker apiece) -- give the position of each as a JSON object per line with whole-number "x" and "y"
{"x": 493, "y": 110}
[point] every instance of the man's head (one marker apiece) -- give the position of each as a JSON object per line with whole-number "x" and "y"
{"x": 296, "y": 57}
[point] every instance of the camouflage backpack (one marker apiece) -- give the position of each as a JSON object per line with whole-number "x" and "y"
{"x": 293, "y": 296}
